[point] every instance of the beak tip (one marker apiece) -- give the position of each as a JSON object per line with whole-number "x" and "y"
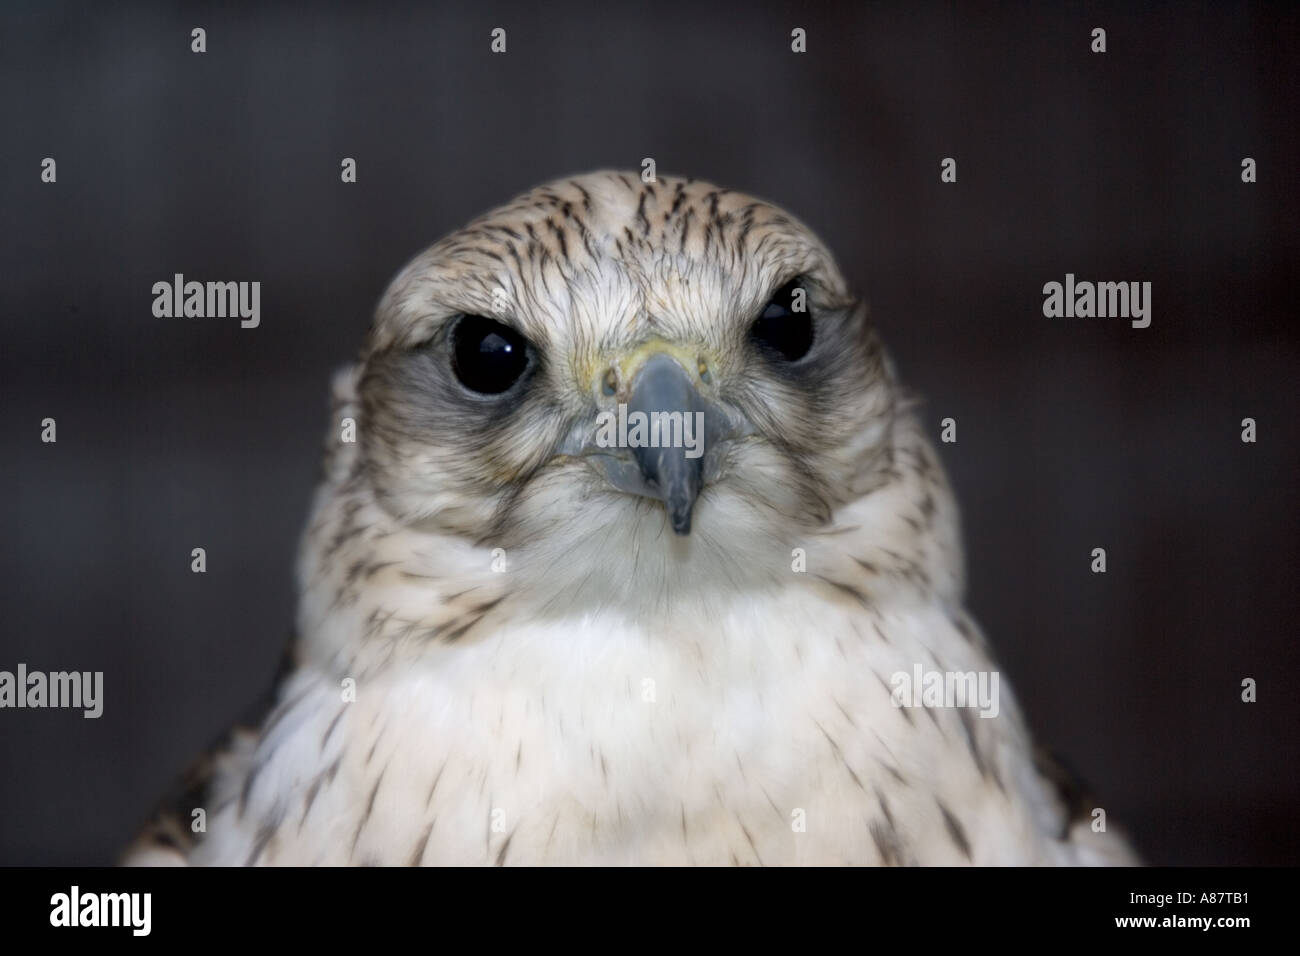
{"x": 679, "y": 516}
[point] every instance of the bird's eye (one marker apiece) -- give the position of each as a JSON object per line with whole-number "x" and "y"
{"x": 785, "y": 325}
{"x": 488, "y": 357}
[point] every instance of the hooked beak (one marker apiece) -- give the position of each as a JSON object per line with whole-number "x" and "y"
{"x": 662, "y": 386}
{"x": 669, "y": 433}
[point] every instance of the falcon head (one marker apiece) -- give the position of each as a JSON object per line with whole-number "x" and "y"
{"x": 505, "y": 360}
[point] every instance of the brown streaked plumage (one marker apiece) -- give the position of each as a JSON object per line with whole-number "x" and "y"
{"x": 520, "y": 646}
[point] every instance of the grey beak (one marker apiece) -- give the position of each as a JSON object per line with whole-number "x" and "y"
{"x": 669, "y": 471}
{"x": 663, "y": 386}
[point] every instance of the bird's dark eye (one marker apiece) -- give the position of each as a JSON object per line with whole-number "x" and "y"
{"x": 785, "y": 325}
{"x": 488, "y": 357}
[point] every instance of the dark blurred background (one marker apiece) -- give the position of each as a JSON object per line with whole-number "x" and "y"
{"x": 1072, "y": 434}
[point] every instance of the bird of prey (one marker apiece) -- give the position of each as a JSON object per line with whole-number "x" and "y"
{"x": 628, "y": 546}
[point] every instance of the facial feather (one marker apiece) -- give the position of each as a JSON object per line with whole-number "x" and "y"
{"x": 586, "y": 270}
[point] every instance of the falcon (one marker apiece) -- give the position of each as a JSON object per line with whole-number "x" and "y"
{"x": 522, "y": 641}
